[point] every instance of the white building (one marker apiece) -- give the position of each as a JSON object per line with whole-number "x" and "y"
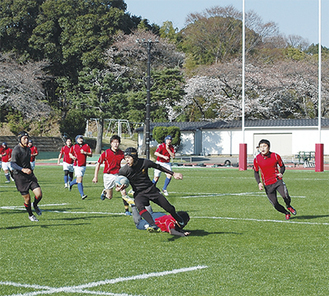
{"x": 287, "y": 136}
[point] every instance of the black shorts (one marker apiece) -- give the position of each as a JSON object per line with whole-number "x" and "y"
{"x": 142, "y": 199}
{"x": 24, "y": 183}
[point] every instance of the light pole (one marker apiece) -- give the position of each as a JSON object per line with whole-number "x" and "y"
{"x": 148, "y": 43}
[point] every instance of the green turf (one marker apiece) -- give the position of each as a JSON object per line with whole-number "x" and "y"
{"x": 239, "y": 245}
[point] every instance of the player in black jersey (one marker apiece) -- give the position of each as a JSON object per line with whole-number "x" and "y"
{"x": 136, "y": 170}
{"x": 24, "y": 177}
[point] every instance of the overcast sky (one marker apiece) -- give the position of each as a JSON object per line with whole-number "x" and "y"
{"x": 293, "y": 17}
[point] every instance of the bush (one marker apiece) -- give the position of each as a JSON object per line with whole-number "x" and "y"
{"x": 17, "y": 123}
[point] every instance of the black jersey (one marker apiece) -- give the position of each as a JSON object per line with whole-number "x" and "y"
{"x": 21, "y": 157}
{"x": 138, "y": 174}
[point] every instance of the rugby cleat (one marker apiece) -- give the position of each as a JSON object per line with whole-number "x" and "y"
{"x": 33, "y": 218}
{"x": 165, "y": 192}
{"x": 292, "y": 210}
{"x": 129, "y": 200}
{"x": 84, "y": 196}
{"x": 288, "y": 216}
{"x": 127, "y": 213}
{"x": 153, "y": 229}
{"x": 103, "y": 196}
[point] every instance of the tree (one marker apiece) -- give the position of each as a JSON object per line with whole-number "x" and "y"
{"x": 73, "y": 34}
{"x": 17, "y": 21}
{"x": 21, "y": 88}
{"x": 127, "y": 58}
{"x": 287, "y": 89}
{"x": 160, "y": 132}
{"x": 101, "y": 96}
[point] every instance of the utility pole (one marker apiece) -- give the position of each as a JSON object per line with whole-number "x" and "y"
{"x": 148, "y": 43}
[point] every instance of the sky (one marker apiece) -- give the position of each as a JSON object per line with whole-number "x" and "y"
{"x": 293, "y": 17}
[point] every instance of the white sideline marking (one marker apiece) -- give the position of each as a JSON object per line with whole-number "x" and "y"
{"x": 229, "y": 194}
{"x": 81, "y": 288}
{"x": 264, "y": 220}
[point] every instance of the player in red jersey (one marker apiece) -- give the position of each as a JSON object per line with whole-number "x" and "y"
{"x": 6, "y": 158}
{"x": 34, "y": 153}
{"x": 1, "y": 149}
{"x": 79, "y": 153}
{"x": 112, "y": 159}
{"x": 67, "y": 162}
{"x": 165, "y": 222}
{"x": 163, "y": 153}
{"x": 269, "y": 163}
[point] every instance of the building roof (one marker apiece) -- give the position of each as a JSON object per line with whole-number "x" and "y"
{"x": 267, "y": 123}
{"x": 220, "y": 124}
{"x": 183, "y": 126}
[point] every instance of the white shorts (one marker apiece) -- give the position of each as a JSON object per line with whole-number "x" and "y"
{"x": 68, "y": 167}
{"x": 108, "y": 180}
{"x": 32, "y": 165}
{"x": 166, "y": 165}
{"x": 79, "y": 171}
{"x": 6, "y": 166}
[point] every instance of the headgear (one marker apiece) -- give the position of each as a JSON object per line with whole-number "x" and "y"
{"x": 130, "y": 151}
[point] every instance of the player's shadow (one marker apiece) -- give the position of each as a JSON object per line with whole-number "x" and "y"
{"x": 308, "y": 217}
{"x": 201, "y": 232}
{"x": 39, "y": 225}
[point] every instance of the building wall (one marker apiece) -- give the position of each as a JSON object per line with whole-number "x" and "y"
{"x": 285, "y": 141}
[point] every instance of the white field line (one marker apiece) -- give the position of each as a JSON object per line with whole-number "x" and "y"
{"x": 264, "y": 220}
{"x": 193, "y": 195}
{"x": 81, "y": 288}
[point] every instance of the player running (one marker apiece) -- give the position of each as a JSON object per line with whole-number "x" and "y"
{"x": 79, "y": 153}
{"x": 24, "y": 177}
{"x": 34, "y": 153}
{"x": 269, "y": 163}
{"x": 67, "y": 162}
{"x": 164, "y": 152}
{"x": 112, "y": 158}
{"x": 136, "y": 170}
{"x": 6, "y": 158}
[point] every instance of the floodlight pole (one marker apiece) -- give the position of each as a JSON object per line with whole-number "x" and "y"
{"x": 148, "y": 100}
{"x": 148, "y": 44}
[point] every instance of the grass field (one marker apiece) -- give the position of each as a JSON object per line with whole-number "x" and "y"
{"x": 239, "y": 245}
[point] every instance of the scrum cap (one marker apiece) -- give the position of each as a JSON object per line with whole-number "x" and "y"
{"x": 22, "y": 134}
{"x": 168, "y": 138}
{"x": 78, "y": 137}
{"x": 130, "y": 151}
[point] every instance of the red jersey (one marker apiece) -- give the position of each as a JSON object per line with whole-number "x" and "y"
{"x": 65, "y": 151}
{"x": 112, "y": 161}
{"x": 6, "y": 154}
{"x": 33, "y": 149}
{"x": 165, "y": 223}
{"x": 269, "y": 165}
{"x": 1, "y": 151}
{"x": 81, "y": 158}
{"x": 163, "y": 150}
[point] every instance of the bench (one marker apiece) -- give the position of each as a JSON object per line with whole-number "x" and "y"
{"x": 307, "y": 158}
